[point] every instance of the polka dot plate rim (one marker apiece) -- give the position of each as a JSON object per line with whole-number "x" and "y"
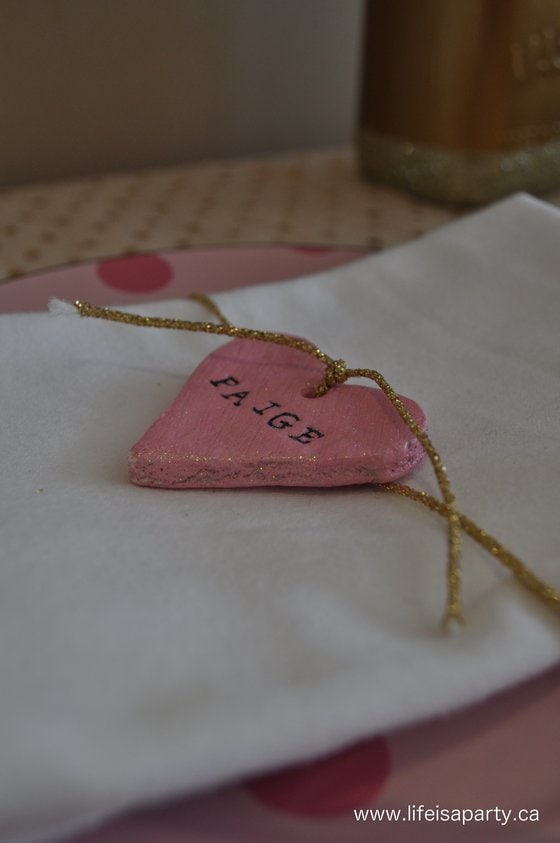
{"x": 145, "y": 276}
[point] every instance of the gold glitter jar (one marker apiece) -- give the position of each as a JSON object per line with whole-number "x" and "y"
{"x": 461, "y": 98}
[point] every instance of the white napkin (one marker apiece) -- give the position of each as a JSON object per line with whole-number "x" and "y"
{"x": 156, "y": 642}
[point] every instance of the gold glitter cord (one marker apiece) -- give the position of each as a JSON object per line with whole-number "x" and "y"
{"x": 546, "y": 593}
{"x": 210, "y": 306}
{"x": 449, "y": 510}
{"x": 336, "y": 372}
{"x": 226, "y": 330}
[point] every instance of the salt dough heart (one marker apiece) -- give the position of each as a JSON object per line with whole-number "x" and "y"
{"x": 246, "y": 417}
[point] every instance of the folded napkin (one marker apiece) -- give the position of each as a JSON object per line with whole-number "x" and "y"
{"x": 154, "y": 642}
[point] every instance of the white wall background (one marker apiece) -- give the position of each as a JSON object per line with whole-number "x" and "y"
{"x": 95, "y": 85}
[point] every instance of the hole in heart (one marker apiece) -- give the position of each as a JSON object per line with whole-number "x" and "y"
{"x": 310, "y": 392}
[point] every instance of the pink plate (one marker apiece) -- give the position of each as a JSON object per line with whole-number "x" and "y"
{"x": 168, "y": 275}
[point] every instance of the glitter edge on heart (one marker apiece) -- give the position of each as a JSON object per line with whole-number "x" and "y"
{"x": 208, "y": 473}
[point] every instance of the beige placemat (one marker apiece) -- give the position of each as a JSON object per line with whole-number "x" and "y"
{"x": 313, "y": 197}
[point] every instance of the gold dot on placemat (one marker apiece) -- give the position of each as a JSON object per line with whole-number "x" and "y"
{"x": 39, "y": 200}
{"x": 79, "y": 200}
{"x": 121, "y": 202}
{"x": 176, "y": 186}
{"x": 149, "y": 221}
{"x": 75, "y": 205}
{"x": 193, "y": 227}
{"x": 10, "y": 230}
{"x": 284, "y": 228}
{"x": 47, "y": 237}
{"x": 61, "y": 220}
{"x": 33, "y": 254}
{"x": 113, "y": 216}
{"x": 207, "y": 203}
{"x": 88, "y": 244}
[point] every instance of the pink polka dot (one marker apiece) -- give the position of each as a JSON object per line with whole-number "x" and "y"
{"x": 350, "y": 779}
{"x": 136, "y": 274}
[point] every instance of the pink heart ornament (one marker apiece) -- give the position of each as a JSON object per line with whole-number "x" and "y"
{"x": 246, "y": 417}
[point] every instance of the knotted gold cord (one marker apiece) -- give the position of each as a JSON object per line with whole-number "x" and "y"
{"x": 337, "y": 372}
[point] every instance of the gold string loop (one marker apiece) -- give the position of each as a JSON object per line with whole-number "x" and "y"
{"x": 337, "y": 372}
{"x": 211, "y": 306}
